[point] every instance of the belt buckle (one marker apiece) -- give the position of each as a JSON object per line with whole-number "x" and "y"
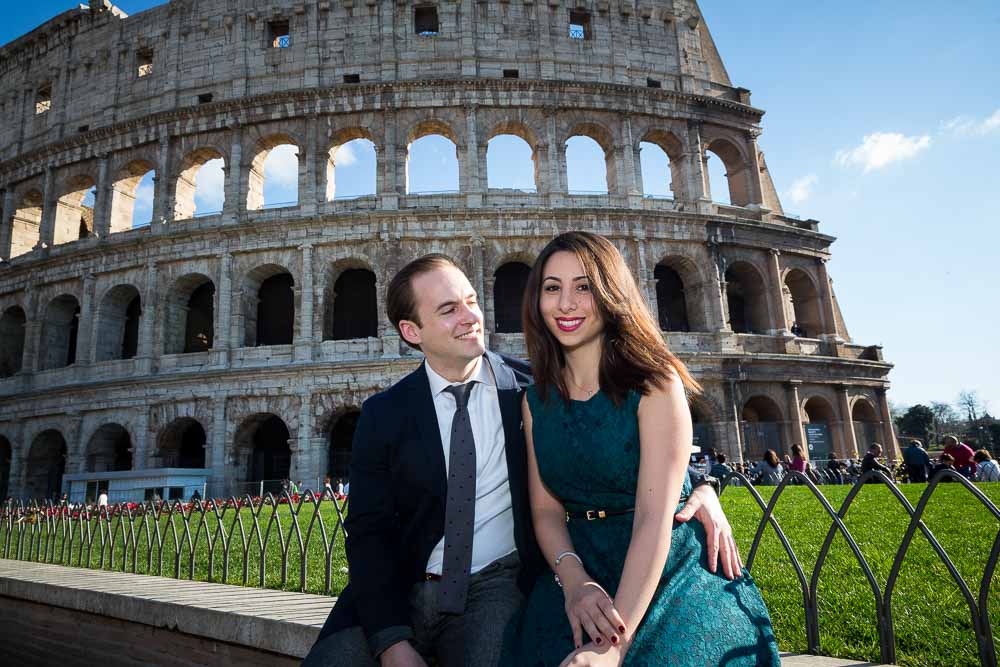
{"x": 595, "y": 514}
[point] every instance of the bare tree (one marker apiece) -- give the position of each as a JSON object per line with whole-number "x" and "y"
{"x": 969, "y": 402}
{"x": 945, "y": 416}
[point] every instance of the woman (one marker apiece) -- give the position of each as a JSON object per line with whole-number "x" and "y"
{"x": 987, "y": 470}
{"x": 798, "y": 463}
{"x": 609, "y": 436}
{"x": 769, "y": 471}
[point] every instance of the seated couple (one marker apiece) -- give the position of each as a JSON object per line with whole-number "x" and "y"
{"x": 493, "y": 521}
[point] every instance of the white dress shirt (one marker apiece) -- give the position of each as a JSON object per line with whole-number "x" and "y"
{"x": 494, "y": 523}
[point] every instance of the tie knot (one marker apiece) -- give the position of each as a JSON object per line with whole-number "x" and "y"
{"x": 461, "y": 393}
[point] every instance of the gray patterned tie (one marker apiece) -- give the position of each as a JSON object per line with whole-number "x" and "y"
{"x": 460, "y": 511}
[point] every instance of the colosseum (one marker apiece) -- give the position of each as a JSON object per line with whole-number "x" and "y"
{"x": 222, "y": 350}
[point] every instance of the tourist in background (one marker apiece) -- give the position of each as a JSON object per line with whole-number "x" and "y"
{"x": 328, "y": 491}
{"x": 769, "y": 472}
{"x": 871, "y": 461}
{"x": 719, "y": 469}
{"x": 917, "y": 461}
{"x": 987, "y": 470}
{"x": 945, "y": 462}
{"x": 798, "y": 463}
{"x": 963, "y": 456}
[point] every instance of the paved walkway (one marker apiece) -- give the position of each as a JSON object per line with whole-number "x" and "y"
{"x": 285, "y": 623}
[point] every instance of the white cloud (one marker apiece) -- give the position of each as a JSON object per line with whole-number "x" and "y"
{"x": 801, "y": 189}
{"x": 881, "y": 149}
{"x": 282, "y": 166}
{"x": 344, "y": 155}
{"x": 970, "y": 127}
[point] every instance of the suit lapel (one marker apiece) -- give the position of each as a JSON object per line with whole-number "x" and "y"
{"x": 509, "y": 394}
{"x": 429, "y": 433}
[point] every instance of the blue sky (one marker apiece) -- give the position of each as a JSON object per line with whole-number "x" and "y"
{"x": 883, "y": 122}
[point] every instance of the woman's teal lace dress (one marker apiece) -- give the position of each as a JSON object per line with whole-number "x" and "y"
{"x": 588, "y": 455}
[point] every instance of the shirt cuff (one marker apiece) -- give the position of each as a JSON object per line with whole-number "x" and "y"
{"x": 386, "y": 637}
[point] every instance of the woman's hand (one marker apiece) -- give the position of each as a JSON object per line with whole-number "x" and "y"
{"x": 592, "y": 655}
{"x": 590, "y": 609}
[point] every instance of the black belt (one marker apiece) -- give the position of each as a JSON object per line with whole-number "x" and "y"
{"x": 593, "y": 515}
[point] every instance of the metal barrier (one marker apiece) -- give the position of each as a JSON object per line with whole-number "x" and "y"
{"x": 978, "y": 609}
{"x": 52, "y": 533}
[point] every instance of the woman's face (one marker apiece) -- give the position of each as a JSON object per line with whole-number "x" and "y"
{"x": 566, "y": 302}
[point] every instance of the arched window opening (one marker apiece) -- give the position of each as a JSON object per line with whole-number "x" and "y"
{"x": 671, "y": 299}
{"x": 657, "y": 181}
{"x": 12, "y": 328}
{"x": 341, "y": 439}
{"x": 866, "y": 424}
{"x": 268, "y": 455}
{"x": 432, "y": 165}
{"x": 586, "y": 167}
{"x": 762, "y": 426}
{"x": 703, "y": 436}
{"x": 189, "y": 319}
{"x": 729, "y": 175}
{"x": 59, "y": 333}
{"x": 200, "y": 188}
{"x": 274, "y": 316}
{"x": 182, "y": 444}
{"x": 511, "y": 279}
{"x": 274, "y": 175}
{"x": 75, "y": 210}
{"x": 352, "y": 306}
{"x": 109, "y": 449}
{"x": 132, "y": 197}
{"x": 26, "y": 224}
{"x": 45, "y": 466}
{"x": 745, "y": 294}
{"x": 351, "y": 170}
{"x": 6, "y": 453}
{"x": 804, "y": 305}
{"x": 511, "y": 164}
{"x": 118, "y": 324}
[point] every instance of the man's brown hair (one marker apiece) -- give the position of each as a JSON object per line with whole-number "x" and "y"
{"x": 400, "y": 300}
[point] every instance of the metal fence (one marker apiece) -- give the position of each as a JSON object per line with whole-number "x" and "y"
{"x": 126, "y": 537}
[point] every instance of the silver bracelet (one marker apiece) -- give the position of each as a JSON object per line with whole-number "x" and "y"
{"x": 568, "y": 553}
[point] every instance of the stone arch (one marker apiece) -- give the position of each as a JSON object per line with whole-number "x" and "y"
{"x": 6, "y": 456}
{"x": 804, "y": 304}
{"x": 737, "y": 168}
{"x": 510, "y": 281}
{"x": 182, "y": 444}
{"x": 109, "y": 449}
{"x": 866, "y": 423}
{"x": 746, "y": 295}
{"x": 673, "y": 148}
{"x": 680, "y": 295}
{"x": 12, "y": 331}
{"x": 189, "y": 315}
{"x": 26, "y": 223}
{"x": 350, "y": 301}
{"x": 341, "y": 139}
{"x": 427, "y": 128}
{"x": 762, "y": 422}
{"x": 822, "y": 438}
{"x": 60, "y": 327}
{"x": 255, "y": 171}
{"x": 269, "y": 306}
{"x": 521, "y": 131}
{"x": 124, "y": 192}
{"x": 74, "y": 218}
{"x": 185, "y": 187}
{"x": 263, "y": 451}
{"x": 341, "y": 438}
{"x": 604, "y": 138}
{"x": 704, "y": 416}
{"x": 45, "y": 465}
{"x": 118, "y": 318}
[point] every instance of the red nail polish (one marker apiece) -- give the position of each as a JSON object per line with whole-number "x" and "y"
{"x": 614, "y": 640}
{"x": 598, "y": 641}
{"x": 621, "y": 628}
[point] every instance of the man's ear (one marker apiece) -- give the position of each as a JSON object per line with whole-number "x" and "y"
{"x": 410, "y": 332}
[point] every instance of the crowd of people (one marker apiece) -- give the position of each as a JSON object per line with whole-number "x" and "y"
{"x": 916, "y": 466}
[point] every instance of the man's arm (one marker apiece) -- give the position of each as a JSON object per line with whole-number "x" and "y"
{"x": 372, "y": 538}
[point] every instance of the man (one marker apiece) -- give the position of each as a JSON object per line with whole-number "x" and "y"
{"x": 963, "y": 455}
{"x": 917, "y": 461}
{"x": 719, "y": 469}
{"x": 870, "y": 462}
{"x": 439, "y": 536}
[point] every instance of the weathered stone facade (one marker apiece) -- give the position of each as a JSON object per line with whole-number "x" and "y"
{"x": 153, "y": 332}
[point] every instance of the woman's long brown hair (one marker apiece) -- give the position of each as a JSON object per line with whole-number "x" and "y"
{"x": 634, "y": 355}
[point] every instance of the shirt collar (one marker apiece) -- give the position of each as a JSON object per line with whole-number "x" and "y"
{"x": 438, "y": 383}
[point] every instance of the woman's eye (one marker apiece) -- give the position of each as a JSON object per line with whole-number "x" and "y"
{"x": 584, "y": 287}
{"x": 552, "y": 288}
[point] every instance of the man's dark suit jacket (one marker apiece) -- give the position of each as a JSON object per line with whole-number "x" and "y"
{"x": 397, "y": 502}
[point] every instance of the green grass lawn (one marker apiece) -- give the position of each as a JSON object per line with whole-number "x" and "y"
{"x": 931, "y": 617}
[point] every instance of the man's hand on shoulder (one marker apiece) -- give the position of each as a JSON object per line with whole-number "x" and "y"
{"x": 704, "y": 506}
{"x": 401, "y": 654}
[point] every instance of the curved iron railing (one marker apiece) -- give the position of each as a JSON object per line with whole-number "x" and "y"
{"x": 978, "y": 608}
{"x": 163, "y": 538}
{"x": 166, "y": 539}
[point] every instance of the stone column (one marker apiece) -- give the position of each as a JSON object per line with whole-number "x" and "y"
{"x": 826, "y": 299}
{"x": 164, "y": 187}
{"x": 47, "y": 230}
{"x": 776, "y": 300}
{"x": 102, "y": 202}
{"x": 7, "y": 223}
{"x": 889, "y": 443}
{"x": 221, "y": 341}
{"x": 553, "y": 185}
{"x": 304, "y": 464}
{"x": 304, "y": 343}
{"x": 755, "y": 190}
{"x": 235, "y": 203}
{"x": 467, "y": 32}
{"x": 647, "y": 278}
{"x": 478, "y": 255}
{"x": 32, "y": 343}
{"x": 216, "y": 455}
{"x": 795, "y": 416}
{"x": 140, "y": 448}
{"x": 847, "y": 424}
{"x": 85, "y": 330}
{"x": 718, "y": 304}
{"x": 697, "y": 181}
{"x": 731, "y": 424}
{"x": 309, "y": 169}
{"x": 147, "y": 323}
{"x": 630, "y": 182}
{"x": 389, "y": 158}
{"x": 470, "y": 171}
{"x": 76, "y": 448}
